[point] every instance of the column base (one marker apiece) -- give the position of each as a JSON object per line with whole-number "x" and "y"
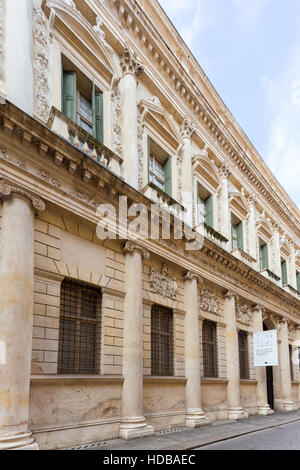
{"x": 265, "y": 410}
{"x": 237, "y": 413}
{"x": 18, "y": 442}
{"x": 288, "y": 405}
{"x": 196, "y": 418}
{"x": 133, "y": 428}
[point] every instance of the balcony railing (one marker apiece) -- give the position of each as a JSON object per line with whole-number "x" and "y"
{"x": 212, "y": 235}
{"x": 163, "y": 200}
{"x": 78, "y": 137}
{"x": 245, "y": 257}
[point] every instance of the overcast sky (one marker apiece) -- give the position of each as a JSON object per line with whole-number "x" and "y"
{"x": 250, "y": 51}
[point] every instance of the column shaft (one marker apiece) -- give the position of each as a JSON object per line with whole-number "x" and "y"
{"x": 16, "y": 311}
{"x": 133, "y": 422}
{"x": 235, "y": 411}
{"x": 195, "y": 416}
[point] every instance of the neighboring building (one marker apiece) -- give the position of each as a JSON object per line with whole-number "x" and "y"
{"x": 100, "y": 339}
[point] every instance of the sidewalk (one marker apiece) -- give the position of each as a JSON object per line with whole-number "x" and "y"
{"x": 186, "y": 438}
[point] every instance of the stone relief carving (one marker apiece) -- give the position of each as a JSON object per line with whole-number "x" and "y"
{"x": 140, "y": 131}
{"x": 18, "y": 162}
{"x": 116, "y": 109}
{"x": 291, "y": 330}
{"x": 244, "y": 314}
{"x": 101, "y": 34}
{"x": 209, "y": 302}
{"x": 163, "y": 283}
{"x": 50, "y": 178}
{"x": 41, "y": 53}
{"x": 2, "y": 46}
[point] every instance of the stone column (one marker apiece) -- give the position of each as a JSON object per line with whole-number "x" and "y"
{"x": 252, "y": 228}
{"x": 235, "y": 411}
{"x": 133, "y": 422}
{"x": 275, "y": 247}
{"x": 285, "y": 371}
{"x": 224, "y": 202}
{"x": 263, "y": 408}
{"x": 194, "y": 413}
{"x": 16, "y": 315}
{"x": 187, "y": 131}
{"x": 129, "y": 133}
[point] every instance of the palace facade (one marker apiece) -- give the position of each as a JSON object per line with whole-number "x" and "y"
{"x": 111, "y": 338}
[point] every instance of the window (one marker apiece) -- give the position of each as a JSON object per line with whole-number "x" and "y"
{"x": 160, "y": 167}
{"x": 161, "y": 341}
{"x": 209, "y": 342}
{"x": 236, "y": 233}
{"x": 82, "y": 101}
{"x": 79, "y": 329}
{"x": 284, "y": 272}
{"x": 205, "y": 206}
{"x": 263, "y": 255}
{"x": 243, "y": 354}
{"x": 298, "y": 282}
{"x": 291, "y": 361}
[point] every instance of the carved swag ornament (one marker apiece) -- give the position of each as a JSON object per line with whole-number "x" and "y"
{"x": 162, "y": 283}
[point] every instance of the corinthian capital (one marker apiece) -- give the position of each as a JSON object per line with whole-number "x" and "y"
{"x": 129, "y": 62}
{"x": 8, "y": 190}
{"x": 187, "y": 129}
{"x": 224, "y": 170}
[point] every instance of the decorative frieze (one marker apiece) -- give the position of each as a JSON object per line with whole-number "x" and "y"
{"x": 244, "y": 314}
{"x": 116, "y": 110}
{"x": 209, "y": 302}
{"x": 163, "y": 283}
{"x": 140, "y": 131}
{"x": 41, "y": 53}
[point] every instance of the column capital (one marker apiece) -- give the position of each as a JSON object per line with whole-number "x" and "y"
{"x": 190, "y": 276}
{"x": 224, "y": 170}
{"x": 187, "y": 129}
{"x": 258, "y": 307}
{"x": 8, "y": 190}
{"x": 229, "y": 295}
{"x": 129, "y": 62}
{"x": 131, "y": 247}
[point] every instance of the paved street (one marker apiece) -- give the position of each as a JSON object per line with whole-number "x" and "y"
{"x": 284, "y": 437}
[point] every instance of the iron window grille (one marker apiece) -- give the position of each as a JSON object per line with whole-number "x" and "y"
{"x": 243, "y": 354}
{"x": 209, "y": 343}
{"x": 79, "y": 329}
{"x": 291, "y": 361}
{"x": 162, "y": 349}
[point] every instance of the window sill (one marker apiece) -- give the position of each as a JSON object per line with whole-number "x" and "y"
{"x": 213, "y": 380}
{"x": 75, "y": 379}
{"x": 164, "y": 380}
{"x": 248, "y": 382}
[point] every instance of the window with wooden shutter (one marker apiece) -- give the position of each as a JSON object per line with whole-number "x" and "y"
{"x": 209, "y": 216}
{"x": 159, "y": 167}
{"x": 79, "y": 329}
{"x": 264, "y": 261}
{"x": 69, "y": 95}
{"x": 284, "y": 273}
{"x": 205, "y": 212}
{"x": 162, "y": 359}
{"x": 298, "y": 282}
{"x": 243, "y": 354}
{"x": 209, "y": 344}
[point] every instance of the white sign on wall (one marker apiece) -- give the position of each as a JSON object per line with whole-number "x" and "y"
{"x": 265, "y": 348}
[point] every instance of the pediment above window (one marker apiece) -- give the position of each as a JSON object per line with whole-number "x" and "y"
{"x": 204, "y": 167}
{"x": 159, "y": 121}
{"x": 86, "y": 39}
{"x": 264, "y": 227}
{"x": 238, "y": 203}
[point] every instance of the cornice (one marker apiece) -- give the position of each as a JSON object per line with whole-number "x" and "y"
{"x": 35, "y": 138}
{"x": 200, "y": 109}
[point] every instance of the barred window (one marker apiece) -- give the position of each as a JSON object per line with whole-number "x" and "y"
{"x": 209, "y": 342}
{"x": 79, "y": 329}
{"x": 291, "y": 361}
{"x": 243, "y": 352}
{"x": 162, "y": 341}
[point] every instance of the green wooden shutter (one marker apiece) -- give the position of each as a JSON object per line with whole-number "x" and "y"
{"x": 283, "y": 273}
{"x": 209, "y": 211}
{"x": 98, "y": 114}
{"x": 69, "y": 95}
{"x": 264, "y": 257}
{"x": 232, "y": 233}
{"x": 239, "y": 233}
{"x": 148, "y": 155}
{"x": 168, "y": 176}
{"x": 298, "y": 282}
